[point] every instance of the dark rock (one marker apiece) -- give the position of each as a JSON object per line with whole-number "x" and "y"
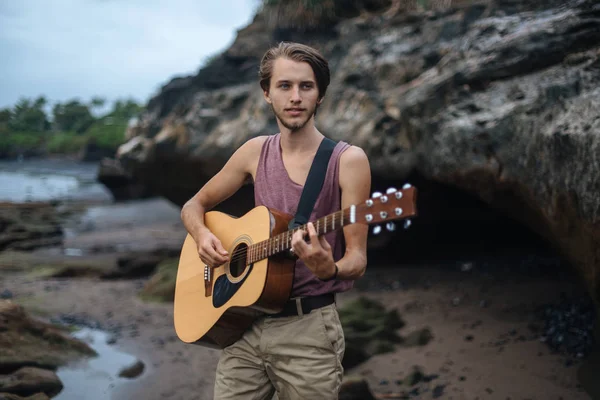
{"x": 369, "y": 329}
{"x": 29, "y": 226}
{"x": 438, "y": 391}
{"x": 569, "y": 326}
{"x": 121, "y": 184}
{"x": 355, "y": 389}
{"x": 29, "y": 381}
{"x": 6, "y": 294}
{"x": 92, "y": 152}
{"x": 415, "y": 376}
{"x": 503, "y": 108}
{"x": 26, "y": 342}
{"x": 37, "y": 396}
{"x": 133, "y": 371}
{"x": 134, "y": 265}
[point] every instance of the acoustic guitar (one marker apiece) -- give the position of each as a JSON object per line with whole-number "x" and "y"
{"x": 214, "y": 306}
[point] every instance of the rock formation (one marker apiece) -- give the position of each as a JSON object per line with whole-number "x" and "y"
{"x": 497, "y": 98}
{"x": 30, "y": 352}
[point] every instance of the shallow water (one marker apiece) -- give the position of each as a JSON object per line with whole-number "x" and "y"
{"x": 46, "y": 180}
{"x": 96, "y": 378}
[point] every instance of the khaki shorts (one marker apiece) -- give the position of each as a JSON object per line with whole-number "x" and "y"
{"x": 297, "y": 357}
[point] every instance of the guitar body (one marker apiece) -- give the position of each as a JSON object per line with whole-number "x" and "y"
{"x": 215, "y": 312}
{"x": 214, "y": 307}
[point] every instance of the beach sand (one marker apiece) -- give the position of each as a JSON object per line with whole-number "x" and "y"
{"x": 484, "y": 318}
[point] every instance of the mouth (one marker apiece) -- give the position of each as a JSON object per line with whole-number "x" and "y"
{"x": 294, "y": 111}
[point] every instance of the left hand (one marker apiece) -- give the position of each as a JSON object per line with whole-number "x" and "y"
{"x": 317, "y": 254}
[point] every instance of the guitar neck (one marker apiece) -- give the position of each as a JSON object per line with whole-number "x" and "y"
{"x": 283, "y": 241}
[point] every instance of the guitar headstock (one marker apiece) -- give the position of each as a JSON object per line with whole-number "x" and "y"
{"x": 385, "y": 208}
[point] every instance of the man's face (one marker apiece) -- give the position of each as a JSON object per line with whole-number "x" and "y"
{"x": 293, "y": 93}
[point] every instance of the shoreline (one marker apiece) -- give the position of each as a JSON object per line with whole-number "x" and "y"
{"x": 473, "y": 347}
{"x": 470, "y": 303}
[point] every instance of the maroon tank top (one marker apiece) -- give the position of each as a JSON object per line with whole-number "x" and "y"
{"x": 274, "y": 189}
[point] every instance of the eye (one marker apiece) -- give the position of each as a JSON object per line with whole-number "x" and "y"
{"x": 307, "y": 86}
{"x": 284, "y": 86}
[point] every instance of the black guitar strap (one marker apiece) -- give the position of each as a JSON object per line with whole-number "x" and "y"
{"x": 314, "y": 183}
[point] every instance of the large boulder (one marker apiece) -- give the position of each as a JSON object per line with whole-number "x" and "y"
{"x": 497, "y": 98}
{"x": 28, "y": 342}
{"x": 29, "y": 381}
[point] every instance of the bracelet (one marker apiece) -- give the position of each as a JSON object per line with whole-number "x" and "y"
{"x": 335, "y": 274}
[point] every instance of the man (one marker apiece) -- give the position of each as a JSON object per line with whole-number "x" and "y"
{"x": 297, "y": 354}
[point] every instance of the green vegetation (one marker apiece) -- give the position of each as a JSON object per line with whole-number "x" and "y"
{"x": 161, "y": 286}
{"x": 30, "y": 127}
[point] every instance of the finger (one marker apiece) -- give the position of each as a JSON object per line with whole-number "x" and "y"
{"x": 312, "y": 233}
{"x": 212, "y": 256}
{"x": 297, "y": 236}
{"x": 218, "y": 246}
{"x": 324, "y": 243}
{"x": 300, "y": 247}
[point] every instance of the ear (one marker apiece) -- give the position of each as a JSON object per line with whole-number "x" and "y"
{"x": 267, "y": 96}
{"x": 320, "y": 101}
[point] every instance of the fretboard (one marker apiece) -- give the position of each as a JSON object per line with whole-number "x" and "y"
{"x": 283, "y": 241}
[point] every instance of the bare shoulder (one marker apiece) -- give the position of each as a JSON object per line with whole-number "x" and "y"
{"x": 249, "y": 154}
{"x": 355, "y": 173}
{"x": 253, "y": 146}
{"x": 354, "y": 156}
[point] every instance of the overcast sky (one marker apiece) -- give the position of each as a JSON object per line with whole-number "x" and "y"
{"x": 110, "y": 48}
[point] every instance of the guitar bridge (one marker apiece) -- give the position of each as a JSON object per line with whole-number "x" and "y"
{"x": 207, "y": 281}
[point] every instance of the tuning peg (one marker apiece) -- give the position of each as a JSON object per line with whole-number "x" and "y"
{"x": 407, "y": 224}
{"x": 390, "y": 190}
{"x": 407, "y": 186}
{"x": 376, "y": 195}
{"x": 390, "y": 226}
{"x": 376, "y": 230}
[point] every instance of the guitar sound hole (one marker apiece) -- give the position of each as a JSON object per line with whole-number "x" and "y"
{"x": 237, "y": 264}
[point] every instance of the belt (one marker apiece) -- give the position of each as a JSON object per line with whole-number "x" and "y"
{"x": 305, "y": 304}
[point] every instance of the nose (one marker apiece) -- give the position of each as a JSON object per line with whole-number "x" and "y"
{"x": 295, "y": 95}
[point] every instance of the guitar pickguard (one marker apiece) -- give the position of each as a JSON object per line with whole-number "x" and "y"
{"x": 224, "y": 289}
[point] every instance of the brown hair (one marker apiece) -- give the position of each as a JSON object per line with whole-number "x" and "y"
{"x": 296, "y": 52}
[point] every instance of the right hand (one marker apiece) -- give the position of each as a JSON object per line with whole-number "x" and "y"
{"x": 211, "y": 250}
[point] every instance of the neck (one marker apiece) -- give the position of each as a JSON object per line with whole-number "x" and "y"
{"x": 306, "y": 139}
{"x": 283, "y": 241}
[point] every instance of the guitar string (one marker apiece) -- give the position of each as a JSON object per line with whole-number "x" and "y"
{"x": 239, "y": 255}
{"x": 242, "y": 253}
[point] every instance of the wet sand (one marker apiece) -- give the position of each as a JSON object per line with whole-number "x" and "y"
{"x": 482, "y": 319}
{"x": 477, "y": 352}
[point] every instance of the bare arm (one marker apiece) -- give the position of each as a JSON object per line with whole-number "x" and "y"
{"x": 355, "y": 182}
{"x": 220, "y": 187}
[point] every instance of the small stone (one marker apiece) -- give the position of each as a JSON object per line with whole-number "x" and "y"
{"x": 132, "y": 371}
{"x": 465, "y": 267}
{"x": 438, "y": 391}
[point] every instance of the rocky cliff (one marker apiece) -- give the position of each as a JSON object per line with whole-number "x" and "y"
{"x": 500, "y": 99}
